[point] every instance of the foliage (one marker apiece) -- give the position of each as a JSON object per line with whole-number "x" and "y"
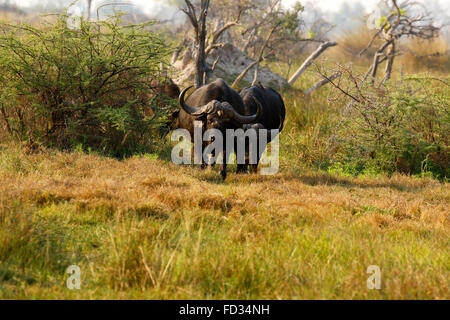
{"x": 290, "y": 21}
{"x": 89, "y": 85}
{"x": 398, "y": 127}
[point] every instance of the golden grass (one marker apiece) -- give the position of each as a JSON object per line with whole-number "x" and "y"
{"x": 352, "y": 43}
{"x": 144, "y": 228}
{"x": 147, "y": 229}
{"x": 427, "y": 56}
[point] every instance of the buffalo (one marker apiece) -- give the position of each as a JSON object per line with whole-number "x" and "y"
{"x": 272, "y": 116}
{"x": 217, "y": 106}
{"x": 164, "y": 93}
{"x": 165, "y": 87}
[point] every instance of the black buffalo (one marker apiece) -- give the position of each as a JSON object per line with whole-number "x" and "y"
{"x": 272, "y": 116}
{"x": 165, "y": 87}
{"x": 217, "y": 106}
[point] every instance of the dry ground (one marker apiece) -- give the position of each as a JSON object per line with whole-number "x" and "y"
{"x": 145, "y": 228}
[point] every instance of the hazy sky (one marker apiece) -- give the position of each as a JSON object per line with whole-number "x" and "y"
{"x": 162, "y": 10}
{"x": 335, "y": 5}
{"x": 331, "y": 5}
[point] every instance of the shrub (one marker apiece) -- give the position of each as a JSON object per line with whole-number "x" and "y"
{"x": 89, "y": 85}
{"x": 397, "y": 127}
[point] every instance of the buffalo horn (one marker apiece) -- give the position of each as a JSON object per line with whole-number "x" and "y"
{"x": 249, "y": 119}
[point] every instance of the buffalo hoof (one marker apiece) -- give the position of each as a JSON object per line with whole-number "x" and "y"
{"x": 242, "y": 169}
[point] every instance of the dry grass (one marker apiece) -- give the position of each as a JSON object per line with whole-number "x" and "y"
{"x": 427, "y": 56}
{"x": 352, "y": 43}
{"x": 144, "y": 228}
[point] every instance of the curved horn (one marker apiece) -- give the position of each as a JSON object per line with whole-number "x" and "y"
{"x": 249, "y": 119}
{"x": 184, "y": 105}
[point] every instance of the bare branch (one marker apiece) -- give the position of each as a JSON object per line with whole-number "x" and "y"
{"x": 310, "y": 60}
{"x": 190, "y": 12}
{"x": 261, "y": 53}
{"x": 322, "y": 83}
{"x": 215, "y": 63}
{"x": 336, "y": 86}
{"x": 243, "y": 74}
{"x": 212, "y": 47}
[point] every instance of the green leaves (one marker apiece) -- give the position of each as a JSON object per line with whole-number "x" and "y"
{"x": 118, "y": 118}
{"x": 381, "y": 21}
{"x": 399, "y": 129}
{"x": 87, "y": 85}
{"x": 290, "y": 21}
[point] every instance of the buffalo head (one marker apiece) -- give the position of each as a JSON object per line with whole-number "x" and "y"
{"x": 218, "y": 115}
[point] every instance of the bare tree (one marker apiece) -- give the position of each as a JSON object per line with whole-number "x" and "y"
{"x": 316, "y": 32}
{"x": 199, "y": 25}
{"x": 89, "y": 7}
{"x": 268, "y": 32}
{"x": 204, "y": 47}
{"x": 409, "y": 20}
{"x": 271, "y": 25}
{"x": 273, "y": 35}
{"x": 213, "y": 44}
{"x": 263, "y": 48}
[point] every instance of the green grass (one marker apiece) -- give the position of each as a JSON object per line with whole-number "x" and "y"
{"x": 147, "y": 229}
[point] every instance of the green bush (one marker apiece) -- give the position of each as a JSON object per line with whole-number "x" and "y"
{"x": 397, "y": 127}
{"x": 90, "y": 85}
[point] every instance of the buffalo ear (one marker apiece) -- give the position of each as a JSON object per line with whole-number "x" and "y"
{"x": 173, "y": 115}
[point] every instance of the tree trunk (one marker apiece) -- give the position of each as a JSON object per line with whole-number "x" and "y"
{"x": 201, "y": 56}
{"x": 390, "y": 62}
{"x": 200, "y": 38}
{"x": 261, "y": 53}
{"x": 375, "y": 67}
{"x": 89, "y": 6}
{"x": 200, "y": 62}
{"x": 288, "y": 72}
{"x": 310, "y": 60}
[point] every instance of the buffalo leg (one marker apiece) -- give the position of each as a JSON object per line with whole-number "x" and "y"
{"x": 254, "y": 167}
{"x": 204, "y": 164}
{"x": 223, "y": 168}
{"x": 241, "y": 167}
{"x": 213, "y": 163}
